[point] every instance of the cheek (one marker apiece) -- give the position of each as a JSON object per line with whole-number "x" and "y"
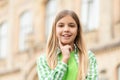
{"x": 75, "y": 33}
{"x": 75, "y": 36}
{"x": 57, "y": 33}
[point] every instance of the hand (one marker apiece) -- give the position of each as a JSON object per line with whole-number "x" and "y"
{"x": 65, "y": 49}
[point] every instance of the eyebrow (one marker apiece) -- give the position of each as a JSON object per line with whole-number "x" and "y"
{"x": 68, "y": 23}
{"x": 71, "y": 23}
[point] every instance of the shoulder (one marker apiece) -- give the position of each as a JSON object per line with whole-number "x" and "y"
{"x": 91, "y": 54}
{"x": 92, "y": 67}
{"x": 41, "y": 58}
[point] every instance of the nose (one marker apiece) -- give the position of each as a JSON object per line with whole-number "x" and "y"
{"x": 66, "y": 28}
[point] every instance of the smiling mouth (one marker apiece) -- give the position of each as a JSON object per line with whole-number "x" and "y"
{"x": 66, "y": 36}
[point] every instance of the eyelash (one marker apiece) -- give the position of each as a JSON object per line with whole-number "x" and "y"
{"x": 60, "y": 25}
{"x": 72, "y": 25}
{"x": 68, "y": 25}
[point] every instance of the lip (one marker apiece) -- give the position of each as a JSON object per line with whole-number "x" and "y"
{"x": 66, "y": 36}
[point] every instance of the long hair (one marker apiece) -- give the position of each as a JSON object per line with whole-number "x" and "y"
{"x": 53, "y": 41}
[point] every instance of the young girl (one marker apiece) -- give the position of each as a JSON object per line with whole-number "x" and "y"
{"x": 66, "y": 56}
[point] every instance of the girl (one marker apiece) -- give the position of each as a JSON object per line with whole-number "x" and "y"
{"x": 66, "y": 56}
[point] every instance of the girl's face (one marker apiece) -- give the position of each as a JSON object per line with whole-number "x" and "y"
{"x": 66, "y": 30}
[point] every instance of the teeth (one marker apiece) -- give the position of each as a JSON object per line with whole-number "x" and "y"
{"x": 66, "y": 35}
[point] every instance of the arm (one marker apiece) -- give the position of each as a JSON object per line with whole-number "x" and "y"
{"x": 45, "y": 73}
{"x": 92, "y": 71}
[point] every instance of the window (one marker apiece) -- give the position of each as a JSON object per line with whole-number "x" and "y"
{"x": 90, "y": 14}
{"x": 51, "y": 11}
{"x": 26, "y": 27}
{"x": 3, "y": 39}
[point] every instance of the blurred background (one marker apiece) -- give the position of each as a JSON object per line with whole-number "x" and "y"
{"x": 26, "y": 24}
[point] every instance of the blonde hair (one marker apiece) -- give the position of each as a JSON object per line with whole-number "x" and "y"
{"x": 53, "y": 41}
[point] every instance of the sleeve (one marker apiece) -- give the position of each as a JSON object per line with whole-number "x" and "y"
{"x": 45, "y": 73}
{"x": 92, "y": 71}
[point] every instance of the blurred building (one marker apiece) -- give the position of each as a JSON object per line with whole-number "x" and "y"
{"x": 26, "y": 24}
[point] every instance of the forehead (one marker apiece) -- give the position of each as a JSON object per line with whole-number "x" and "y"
{"x": 67, "y": 19}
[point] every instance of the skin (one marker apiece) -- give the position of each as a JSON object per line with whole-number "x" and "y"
{"x": 66, "y": 32}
